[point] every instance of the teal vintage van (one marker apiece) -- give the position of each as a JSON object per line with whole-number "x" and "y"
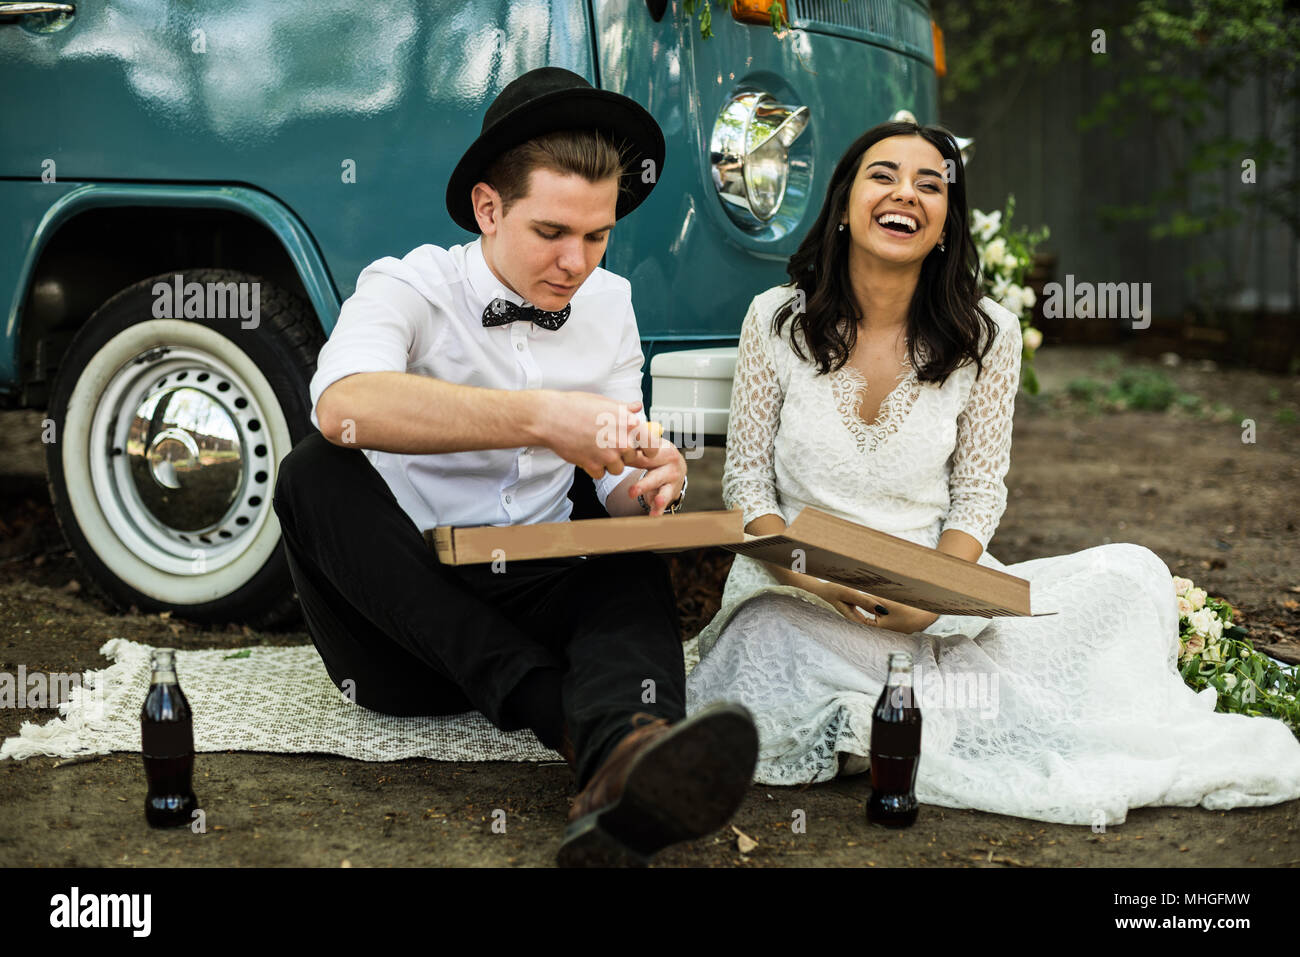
{"x": 290, "y": 145}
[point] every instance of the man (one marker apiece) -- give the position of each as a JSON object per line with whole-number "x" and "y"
{"x": 475, "y": 378}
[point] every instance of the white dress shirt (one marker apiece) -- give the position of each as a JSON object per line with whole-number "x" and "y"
{"x": 422, "y": 314}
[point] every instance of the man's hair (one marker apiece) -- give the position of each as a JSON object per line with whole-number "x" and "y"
{"x": 584, "y": 153}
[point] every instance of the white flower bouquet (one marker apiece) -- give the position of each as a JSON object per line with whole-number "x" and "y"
{"x": 1005, "y": 258}
{"x": 1213, "y": 652}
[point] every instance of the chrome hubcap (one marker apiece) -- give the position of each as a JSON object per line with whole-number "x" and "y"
{"x": 186, "y": 458}
{"x": 186, "y": 480}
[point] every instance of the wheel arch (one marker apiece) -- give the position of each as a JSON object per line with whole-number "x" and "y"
{"x": 101, "y": 238}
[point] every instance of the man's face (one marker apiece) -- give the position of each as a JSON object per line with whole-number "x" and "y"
{"x": 552, "y": 239}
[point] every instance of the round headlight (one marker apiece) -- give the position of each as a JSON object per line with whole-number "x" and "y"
{"x": 750, "y": 154}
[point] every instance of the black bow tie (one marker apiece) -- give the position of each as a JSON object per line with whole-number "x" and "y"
{"x": 501, "y": 311}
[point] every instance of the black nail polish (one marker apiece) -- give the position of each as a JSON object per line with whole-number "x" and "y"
{"x": 880, "y": 610}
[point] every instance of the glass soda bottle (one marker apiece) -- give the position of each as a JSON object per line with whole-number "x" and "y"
{"x": 167, "y": 745}
{"x": 895, "y": 748}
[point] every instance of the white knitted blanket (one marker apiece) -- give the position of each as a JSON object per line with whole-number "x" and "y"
{"x": 271, "y": 699}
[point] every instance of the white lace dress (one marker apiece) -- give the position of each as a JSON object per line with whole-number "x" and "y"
{"x": 1073, "y": 718}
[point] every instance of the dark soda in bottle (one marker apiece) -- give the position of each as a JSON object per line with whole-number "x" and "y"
{"x": 895, "y": 748}
{"x": 167, "y": 745}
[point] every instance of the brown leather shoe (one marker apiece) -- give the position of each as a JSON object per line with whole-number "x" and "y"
{"x": 607, "y": 783}
{"x": 662, "y": 784}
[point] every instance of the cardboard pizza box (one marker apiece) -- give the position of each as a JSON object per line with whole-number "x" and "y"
{"x": 588, "y": 536}
{"x": 815, "y": 543}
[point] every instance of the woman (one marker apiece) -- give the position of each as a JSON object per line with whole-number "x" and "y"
{"x": 878, "y": 386}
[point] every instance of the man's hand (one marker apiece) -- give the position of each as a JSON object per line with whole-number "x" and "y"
{"x": 601, "y": 435}
{"x": 665, "y": 468}
{"x": 593, "y": 432}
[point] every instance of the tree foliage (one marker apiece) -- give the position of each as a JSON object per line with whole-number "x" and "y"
{"x": 1171, "y": 68}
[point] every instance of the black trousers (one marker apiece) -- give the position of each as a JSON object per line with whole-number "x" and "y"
{"x": 406, "y": 635}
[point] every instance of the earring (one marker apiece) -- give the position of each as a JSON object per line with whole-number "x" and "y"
{"x": 841, "y": 227}
{"x": 941, "y": 247}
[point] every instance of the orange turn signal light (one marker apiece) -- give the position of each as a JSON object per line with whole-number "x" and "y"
{"x": 756, "y": 11}
{"x": 940, "y": 56}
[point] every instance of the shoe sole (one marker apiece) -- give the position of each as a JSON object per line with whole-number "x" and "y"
{"x": 685, "y": 785}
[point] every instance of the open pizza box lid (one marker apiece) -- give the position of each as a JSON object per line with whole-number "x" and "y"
{"x": 815, "y": 543}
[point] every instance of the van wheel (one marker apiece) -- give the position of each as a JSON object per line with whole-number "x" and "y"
{"x": 167, "y": 437}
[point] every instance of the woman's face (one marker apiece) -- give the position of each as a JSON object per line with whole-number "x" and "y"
{"x": 899, "y": 176}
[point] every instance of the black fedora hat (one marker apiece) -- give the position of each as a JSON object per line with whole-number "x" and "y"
{"x": 547, "y": 100}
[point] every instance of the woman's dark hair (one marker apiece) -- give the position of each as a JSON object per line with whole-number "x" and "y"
{"x": 944, "y": 316}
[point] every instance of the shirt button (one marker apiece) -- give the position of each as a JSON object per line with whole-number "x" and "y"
{"x": 519, "y": 346}
{"x": 507, "y": 499}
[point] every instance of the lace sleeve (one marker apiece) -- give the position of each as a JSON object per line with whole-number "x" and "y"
{"x": 749, "y": 477}
{"x": 976, "y": 486}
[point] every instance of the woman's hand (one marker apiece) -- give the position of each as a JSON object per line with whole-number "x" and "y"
{"x": 899, "y": 617}
{"x": 842, "y": 598}
{"x": 855, "y": 605}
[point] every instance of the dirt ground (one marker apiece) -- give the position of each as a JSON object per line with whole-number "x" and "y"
{"x": 1217, "y": 510}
